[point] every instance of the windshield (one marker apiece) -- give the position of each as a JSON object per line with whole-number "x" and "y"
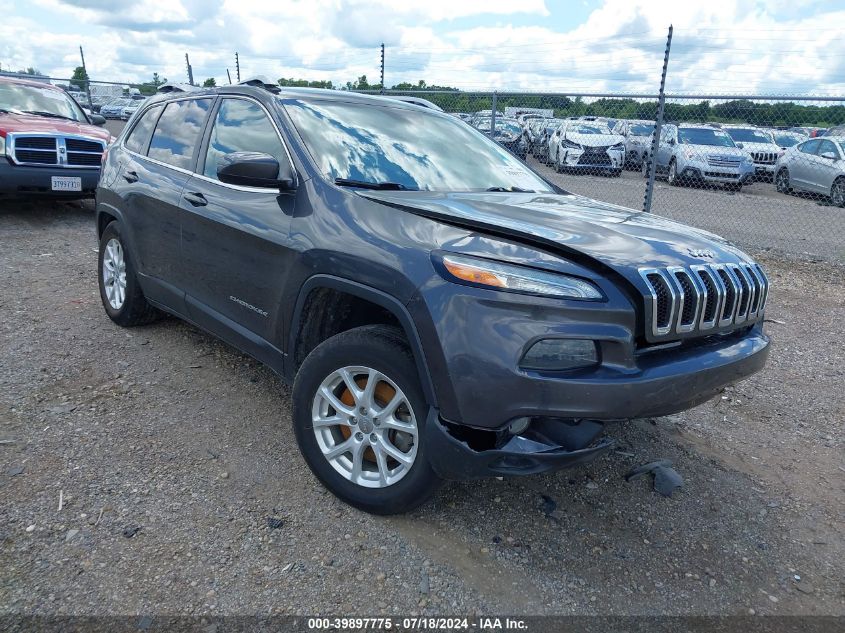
{"x": 414, "y": 148}
{"x": 588, "y": 129}
{"x": 788, "y": 140}
{"x": 25, "y": 98}
{"x": 642, "y": 129}
{"x": 749, "y": 135}
{"x": 704, "y": 136}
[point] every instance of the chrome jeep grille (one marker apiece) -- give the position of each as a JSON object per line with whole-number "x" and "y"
{"x": 57, "y": 151}
{"x": 703, "y": 297}
{"x": 764, "y": 158}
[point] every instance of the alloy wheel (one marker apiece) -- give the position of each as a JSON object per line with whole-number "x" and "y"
{"x": 365, "y": 426}
{"x": 782, "y": 181}
{"x": 114, "y": 273}
{"x": 837, "y": 193}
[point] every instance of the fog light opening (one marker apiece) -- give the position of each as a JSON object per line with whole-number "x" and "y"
{"x": 560, "y": 354}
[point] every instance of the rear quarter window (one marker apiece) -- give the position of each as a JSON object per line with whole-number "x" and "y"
{"x": 177, "y": 132}
{"x": 139, "y": 137}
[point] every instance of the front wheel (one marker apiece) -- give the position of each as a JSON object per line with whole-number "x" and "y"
{"x": 837, "y": 193}
{"x": 672, "y": 177}
{"x": 359, "y": 417}
{"x": 782, "y": 181}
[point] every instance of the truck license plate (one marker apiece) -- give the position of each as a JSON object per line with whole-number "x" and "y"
{"x": 66, "y": 183}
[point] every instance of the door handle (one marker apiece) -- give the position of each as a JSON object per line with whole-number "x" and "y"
{"x": 196, "y": 199}
{"x": 131, "y": 176}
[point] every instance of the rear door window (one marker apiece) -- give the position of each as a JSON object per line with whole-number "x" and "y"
{"x": 177, "y": 133}
{"x": 241, "y": 126}
{"x": 139, "y": 137}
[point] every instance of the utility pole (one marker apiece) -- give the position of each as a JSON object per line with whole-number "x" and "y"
{"x": 382, "y": 68}
{"x": 658, "y": 124}
{"x": 237, "y": 67}
{"x": 229, "y": 75}
{"x": 190, "y": 70}
{"x": 87, "y": 83}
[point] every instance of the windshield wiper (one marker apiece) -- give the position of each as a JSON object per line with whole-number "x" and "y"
{"x": 52, "y": 115}
{"x": 511, "y": 189}
{"x": 364, "y": 184}
{"x": 9, "y": 111}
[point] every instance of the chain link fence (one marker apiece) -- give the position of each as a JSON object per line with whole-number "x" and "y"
{"x": 765, "y": 172}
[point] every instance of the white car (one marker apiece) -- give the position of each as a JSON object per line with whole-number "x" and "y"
{"x": 587, "y": 146}
{"x": 761, "y": 145}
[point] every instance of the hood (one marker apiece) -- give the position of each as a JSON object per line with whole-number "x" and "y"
{"x": 23, "y": 123}
{"x": 620, "y": 238}
{"x": 595, "y": 140}
{"x": 760, "y": 147}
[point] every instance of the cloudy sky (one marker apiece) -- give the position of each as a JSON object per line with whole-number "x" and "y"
{"x": 720, "y": 46}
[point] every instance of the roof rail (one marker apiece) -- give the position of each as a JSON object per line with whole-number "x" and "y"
{"x": 260, "y": 81}
{"x": 174, "y": 87}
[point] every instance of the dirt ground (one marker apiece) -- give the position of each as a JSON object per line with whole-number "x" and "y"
{"x": 182, "y": 490}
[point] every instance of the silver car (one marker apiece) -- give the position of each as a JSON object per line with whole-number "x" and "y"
{"x": 690, "y": 152}
{"x": 637, "y": 140}
{"x": 814, "y": 166}
{"x": 760, "y": 144}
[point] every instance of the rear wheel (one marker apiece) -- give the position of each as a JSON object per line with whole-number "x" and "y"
{"x": 782, "y": 181}
{"x": 359, "y": 416}
{"x": 120, "y": 292}
{"x": 837, "y": 193}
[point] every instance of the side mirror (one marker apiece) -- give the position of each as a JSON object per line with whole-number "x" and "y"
{"x": 828, "y": 155}
{"x": 254, "y": 169}
{"x": 97, "y": 119}
{"x": 740, "y": 145}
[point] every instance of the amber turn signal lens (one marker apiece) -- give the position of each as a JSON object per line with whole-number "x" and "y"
{"x": 473, "y": 274}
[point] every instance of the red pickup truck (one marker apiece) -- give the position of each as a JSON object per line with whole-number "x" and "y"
{"x": 48, "y": 144}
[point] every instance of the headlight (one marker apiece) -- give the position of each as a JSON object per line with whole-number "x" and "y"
{"x": 570, "y": 144}
{"x": 482, "y": 272}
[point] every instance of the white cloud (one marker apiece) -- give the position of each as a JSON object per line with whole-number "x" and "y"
{"x": 719, "y": 46}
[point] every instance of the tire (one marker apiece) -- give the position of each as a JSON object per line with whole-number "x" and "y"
{"x": 367, "y": 350}
{"x": 672, "y": 175}
{"x": 837, "y": 192}
{"x": 133, "y": 309}
{"x": 782, "y": 181}
{"x": 558, "y": 166}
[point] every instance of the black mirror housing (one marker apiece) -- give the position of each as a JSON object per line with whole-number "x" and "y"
{"x": 97, "y": 119}
{"x": 254, "y": 169}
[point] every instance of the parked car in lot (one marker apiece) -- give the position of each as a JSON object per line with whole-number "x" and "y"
{"x": 442, "y": 310}
{"x": 508, "y": 134}
{"x": 638, "y": 135}
{"x": 587, "y": 147}
{"x": 760, "y": 144}
{"x": 690, "y": 153}
{"x": 786, "y": 139}
{"x": 541, "y": 145}
{"x": 48, "y": 145}
{"x": 131, "y": 108}
{"x": 114, "y": 109}
{"x": 814, "y": 166}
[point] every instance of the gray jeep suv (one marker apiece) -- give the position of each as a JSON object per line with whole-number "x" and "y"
{"x": 442, "y": 311}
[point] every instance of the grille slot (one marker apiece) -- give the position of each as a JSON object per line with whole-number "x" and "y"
{"x": 703, "y": 297}
{"x": 84, "y": 160}
{"x": 81, "y": 145}
{"x": 35, "y": 142}
{"x": 36, "y": 156}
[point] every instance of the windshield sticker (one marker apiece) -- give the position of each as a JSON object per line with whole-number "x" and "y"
{"x": 521, "y": 178}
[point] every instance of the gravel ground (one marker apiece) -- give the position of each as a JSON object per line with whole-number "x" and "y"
{"x": 182, "y": 490}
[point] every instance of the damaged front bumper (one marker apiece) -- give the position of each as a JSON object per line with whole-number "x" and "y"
{"x": 546, "y": 445}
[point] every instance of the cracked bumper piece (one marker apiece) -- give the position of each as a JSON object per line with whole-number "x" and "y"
{"x": 548, "y": 445}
